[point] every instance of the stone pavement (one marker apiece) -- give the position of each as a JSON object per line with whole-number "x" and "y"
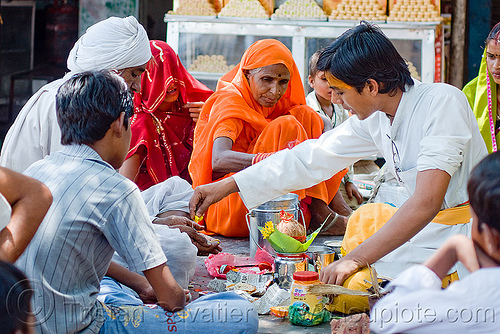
{"x": 267, "y": 323}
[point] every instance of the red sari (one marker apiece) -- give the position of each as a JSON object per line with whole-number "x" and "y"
{"x": 164, "y": 141}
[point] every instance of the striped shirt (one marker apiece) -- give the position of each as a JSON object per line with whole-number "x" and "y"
{"x": 95, "y": 210}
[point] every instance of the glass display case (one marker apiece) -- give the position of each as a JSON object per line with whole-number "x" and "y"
{"x": 208, "y": 47}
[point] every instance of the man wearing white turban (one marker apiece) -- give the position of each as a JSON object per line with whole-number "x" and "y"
{"x": 119, "y": 44}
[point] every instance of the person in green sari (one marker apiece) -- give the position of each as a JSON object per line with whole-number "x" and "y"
{"x": 483, "y": 91}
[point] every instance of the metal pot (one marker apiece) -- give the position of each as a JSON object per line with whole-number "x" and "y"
{"x": 285, "y": 265}
{"x": 319, "y": 257}
{"x": 335, "y": 245}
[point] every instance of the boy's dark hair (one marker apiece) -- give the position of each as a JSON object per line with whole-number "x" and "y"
{"x": 484, "y": 190}
{"x": 313, "y": 63}
{"x": 15, "y": 299}
{"x": 88, "y": 103}
{"x": 494, "y": 34}
{"x": 363, "y": 53}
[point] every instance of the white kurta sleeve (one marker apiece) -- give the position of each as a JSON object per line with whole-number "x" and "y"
{"x": 305, "y": 165}
{"x": 35, "y": 132}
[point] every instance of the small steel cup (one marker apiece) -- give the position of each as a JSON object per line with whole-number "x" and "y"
{"x": 320, "y": 256}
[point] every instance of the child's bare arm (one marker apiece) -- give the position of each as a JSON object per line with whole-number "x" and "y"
{"x": 30, "y": 200}
{"x": 170, "y": 294}
{"x": 133, "y": 280}
{"x": 457, "y": 248}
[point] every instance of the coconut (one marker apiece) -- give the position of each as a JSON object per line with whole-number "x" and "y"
{"x": 289, "y": 226}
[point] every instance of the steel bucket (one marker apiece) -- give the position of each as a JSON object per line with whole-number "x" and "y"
{"x": 270, "y": 211}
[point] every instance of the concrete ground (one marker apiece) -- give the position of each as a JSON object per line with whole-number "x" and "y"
{"x": 267, "y": 323}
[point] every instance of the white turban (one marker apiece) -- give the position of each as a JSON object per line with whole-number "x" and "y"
{"x": 112, "y": 44}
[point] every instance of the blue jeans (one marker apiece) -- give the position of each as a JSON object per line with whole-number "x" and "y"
{"x": 224, "y": 312}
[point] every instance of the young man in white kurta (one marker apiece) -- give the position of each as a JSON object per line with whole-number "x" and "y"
{"x": 434, "y": 128}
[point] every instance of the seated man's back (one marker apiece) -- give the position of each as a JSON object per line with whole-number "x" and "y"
{"x": 91, "y": 215}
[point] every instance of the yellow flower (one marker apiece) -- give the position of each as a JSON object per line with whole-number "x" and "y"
{"x": 267, "y": 230}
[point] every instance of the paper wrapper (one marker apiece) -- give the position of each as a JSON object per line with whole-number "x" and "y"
{"x": 260, "y": 282}
{"x": 274, "y": 296}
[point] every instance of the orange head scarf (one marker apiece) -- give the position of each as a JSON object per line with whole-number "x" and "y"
{"x": 261, "y": 54}
{"x": 233, "y": 99}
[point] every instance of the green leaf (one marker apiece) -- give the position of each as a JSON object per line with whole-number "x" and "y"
{"x": 283, "y": 243}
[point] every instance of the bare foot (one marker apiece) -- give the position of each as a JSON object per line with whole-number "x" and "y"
{"x": 321, "y": 212}
{"x": 338, "y": 228}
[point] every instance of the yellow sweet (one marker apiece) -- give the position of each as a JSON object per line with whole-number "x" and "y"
{"x": 414, "y": 10}
{"x": 358, "y": 10}
{"x": 244, "y": 8}
{"x": 212, "y": 64}
{"x": 299, "y": 9}
{"x": 194, "y": 7}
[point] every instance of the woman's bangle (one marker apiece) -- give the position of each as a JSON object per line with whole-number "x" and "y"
{"x": 260, "y": 156}
{"x": 330, "y": 224}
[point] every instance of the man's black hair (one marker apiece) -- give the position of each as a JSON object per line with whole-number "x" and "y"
{"x": 88, "y": 103}
{"x": 484, "y": 190}
{"x": 15, "y": 299}
{"x": 363, "y": 53}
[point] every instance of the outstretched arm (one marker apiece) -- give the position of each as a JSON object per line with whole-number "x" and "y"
{"x": 211, "y": 193}
{"x": 30, "y": 200}
{"x": 413, "y": 215}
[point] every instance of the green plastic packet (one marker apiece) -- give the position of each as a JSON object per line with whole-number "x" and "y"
{"x": 299, "y": 314}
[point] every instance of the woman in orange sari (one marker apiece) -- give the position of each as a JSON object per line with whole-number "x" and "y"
{"x": 259, "y": 108}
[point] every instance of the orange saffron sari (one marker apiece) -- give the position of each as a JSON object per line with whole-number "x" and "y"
{"x": 233, "y": 112}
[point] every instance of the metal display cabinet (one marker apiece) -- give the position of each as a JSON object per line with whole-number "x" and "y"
{"x": 192, "y": 36}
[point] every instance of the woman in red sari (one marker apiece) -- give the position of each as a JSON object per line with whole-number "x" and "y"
{"x": 259, "y": 108}
{"x": 166, "y": 111}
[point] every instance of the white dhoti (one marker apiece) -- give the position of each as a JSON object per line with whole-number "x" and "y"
{"x": 172, "y": 194}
